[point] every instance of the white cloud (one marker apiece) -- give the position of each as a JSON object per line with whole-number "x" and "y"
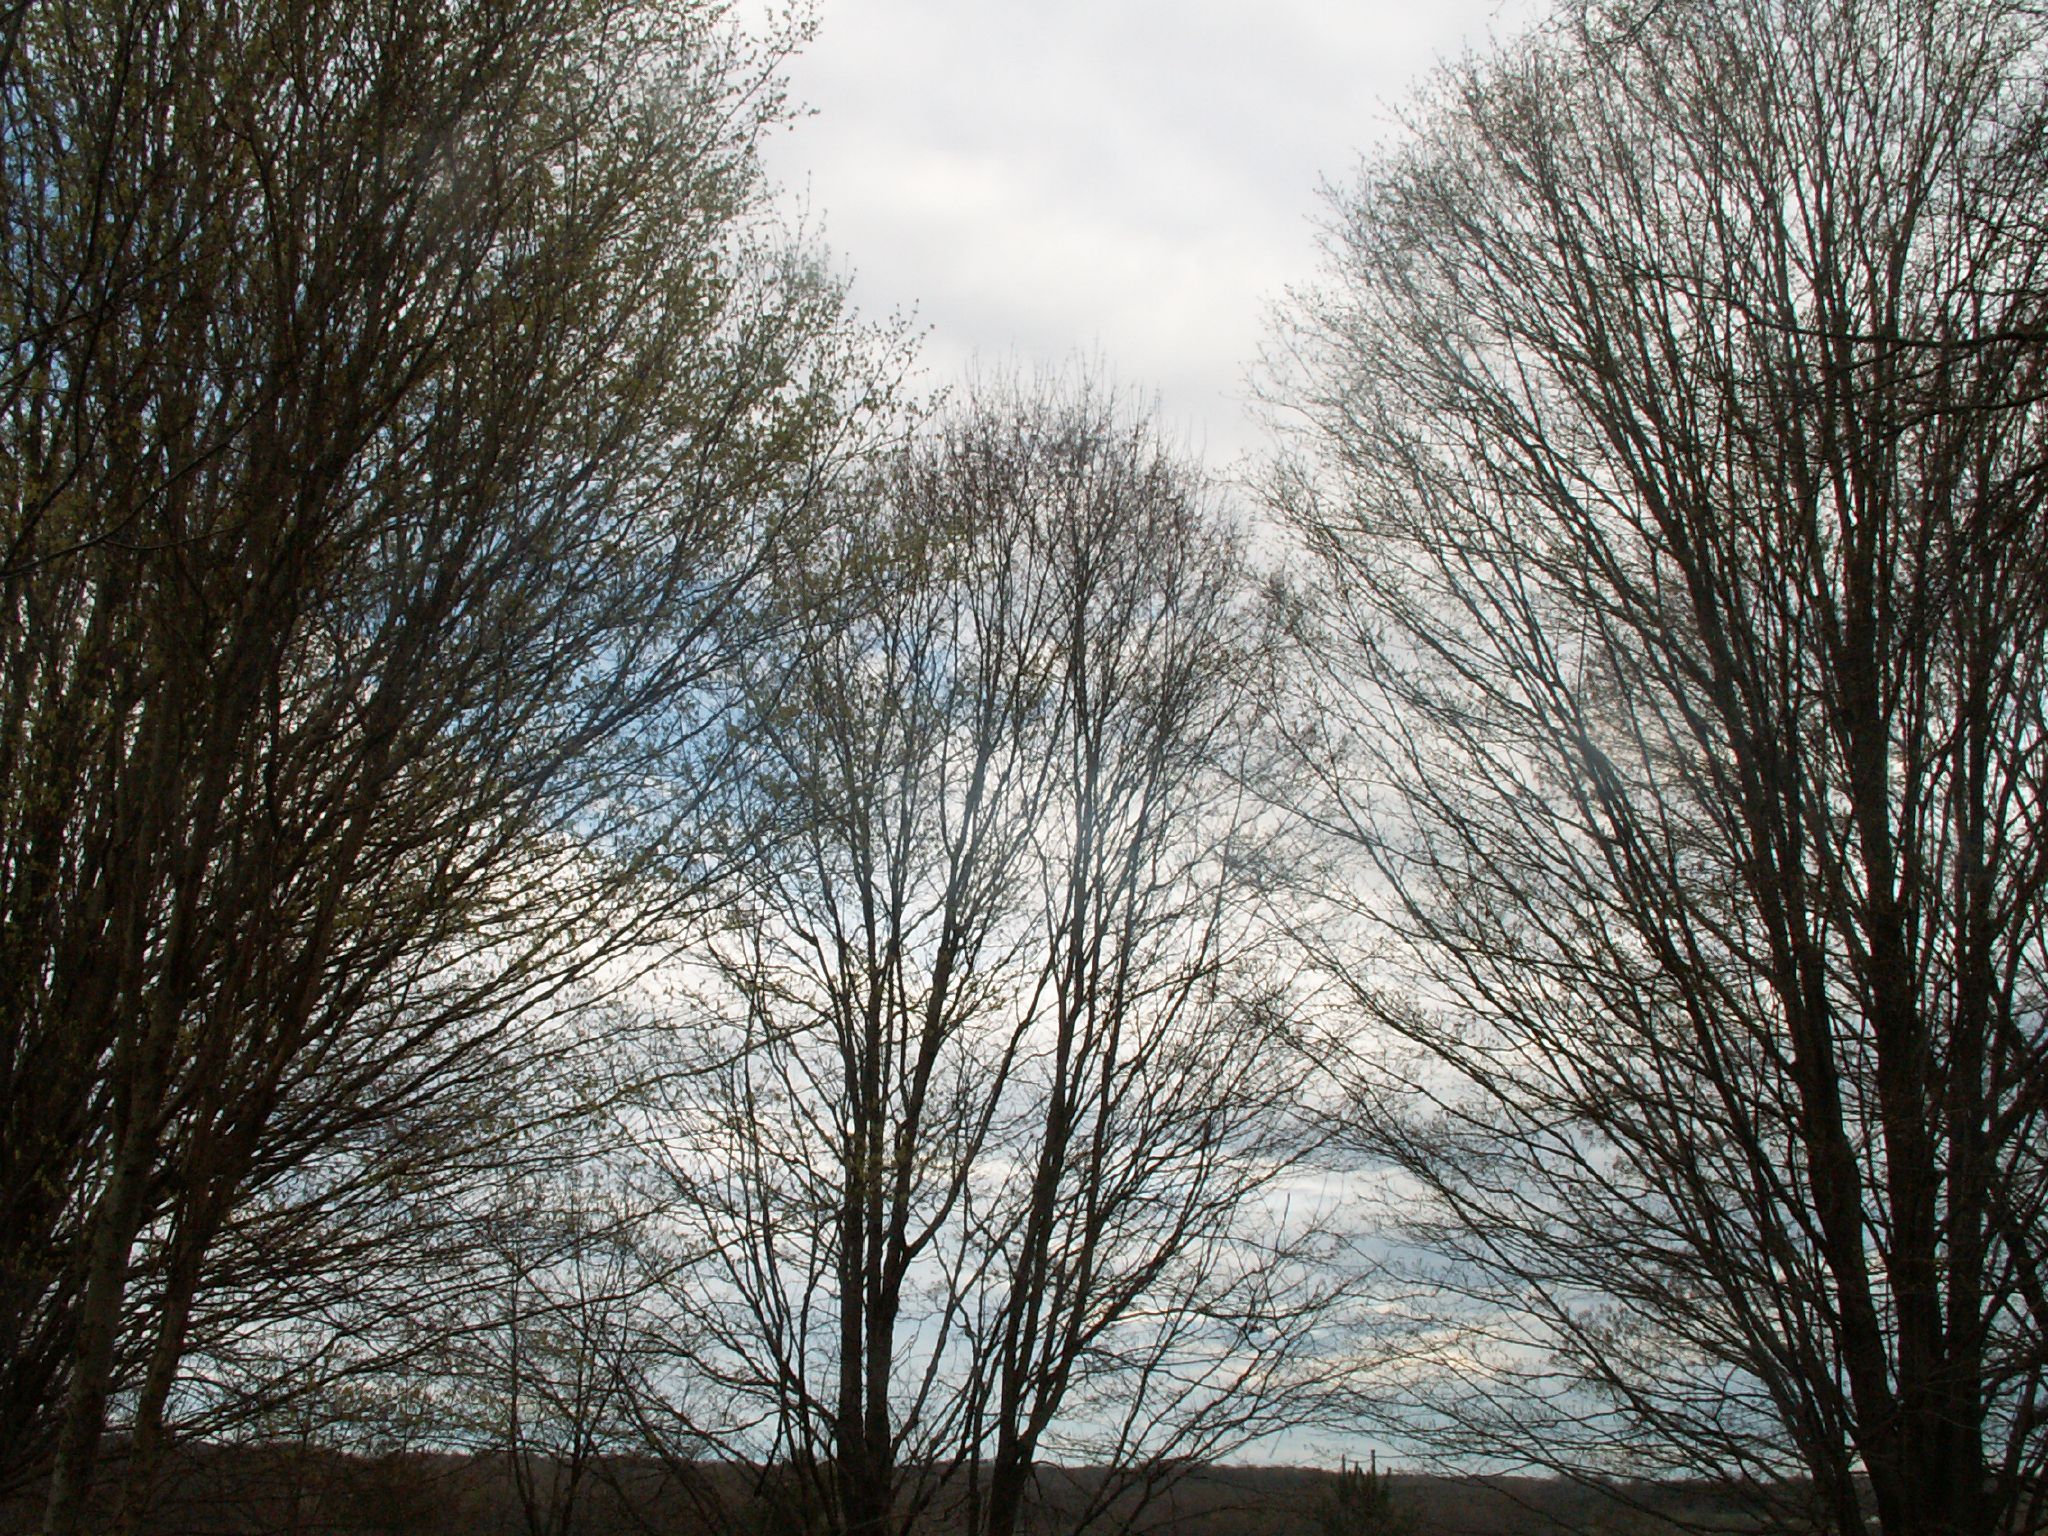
{"x": 1128, "y": 177}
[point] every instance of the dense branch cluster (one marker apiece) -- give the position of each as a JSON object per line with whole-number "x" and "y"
{"x": 1003, "y": 1096}
{"x": 583, "y": 881}
{"x": 1675, "y": 446}
{"x": 463, "y": 578}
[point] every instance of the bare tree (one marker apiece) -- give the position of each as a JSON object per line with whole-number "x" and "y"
{"x": 395, "y": 413}
{"x": 1670, "y": 435}
{"x": 987, "y": 1171}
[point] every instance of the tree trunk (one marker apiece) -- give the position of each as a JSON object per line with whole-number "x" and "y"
{"x": 117, "y": 1219}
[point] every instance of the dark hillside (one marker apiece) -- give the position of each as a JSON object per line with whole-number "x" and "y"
{"x": 310, "y": 1491}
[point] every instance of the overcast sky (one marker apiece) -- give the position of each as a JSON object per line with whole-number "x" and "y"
{"x": 1130, "y": 179}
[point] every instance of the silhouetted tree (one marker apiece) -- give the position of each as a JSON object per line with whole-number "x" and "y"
{"x": 1359, "y": 1501}
{"x": 989, "y": 1158}
{"x": 1671, "y": 441}
{"x": 395, "y": 415}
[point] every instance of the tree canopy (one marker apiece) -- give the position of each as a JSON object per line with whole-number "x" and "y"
{"x": 1670, "y": 445}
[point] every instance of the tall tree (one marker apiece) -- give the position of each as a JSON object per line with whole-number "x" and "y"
{"x": 396, "y": 411}
{"x": 1670, "y": 435}
{"x": 984, "y": 1170}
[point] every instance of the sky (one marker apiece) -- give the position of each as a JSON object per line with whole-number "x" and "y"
{"x": 1129, "y": 181}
